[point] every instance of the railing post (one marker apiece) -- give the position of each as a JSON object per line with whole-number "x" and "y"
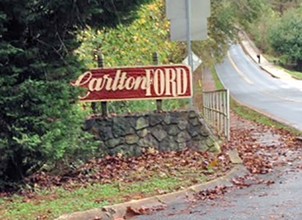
{"x": 159, "y": 102}
{"x": 100, "y": 59}
{"x": 228, "y": 115}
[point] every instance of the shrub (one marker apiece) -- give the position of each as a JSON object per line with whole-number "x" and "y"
{"x": 286, "y": 37}
{"x": 40, "y": 121}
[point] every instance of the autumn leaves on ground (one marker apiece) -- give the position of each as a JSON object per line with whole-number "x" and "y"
{"x": 262, "y": 149}
{"x": 117, "y": 179}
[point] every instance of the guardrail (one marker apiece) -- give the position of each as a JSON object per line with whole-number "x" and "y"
{"x": 216, "y": 110}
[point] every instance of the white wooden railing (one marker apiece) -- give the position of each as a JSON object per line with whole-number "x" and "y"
{"x": 216, "y": 110}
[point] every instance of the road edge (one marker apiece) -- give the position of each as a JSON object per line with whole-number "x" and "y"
{"x": 158, "y": 202}
{"x": 252, "y": 51}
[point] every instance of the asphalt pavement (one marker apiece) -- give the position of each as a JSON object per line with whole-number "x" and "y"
{"x": 277, "y": 96}
{"x": 279, "y": 200}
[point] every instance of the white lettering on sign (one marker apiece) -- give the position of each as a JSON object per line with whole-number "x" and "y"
{"x": 153, "y": 82}
{"x": 170, "y": 81}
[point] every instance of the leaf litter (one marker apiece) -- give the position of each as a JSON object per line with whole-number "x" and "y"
{"x": 261, "y": 148}
{"x": 181, "y": 165}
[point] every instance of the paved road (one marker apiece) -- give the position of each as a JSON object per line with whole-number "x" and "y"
{"x": 251, "y": 86}
{"x": 281, "y": 200}
{"x": 281, "y": 99}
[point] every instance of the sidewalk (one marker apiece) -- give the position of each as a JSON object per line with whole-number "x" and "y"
{"x": 250, "y": 49}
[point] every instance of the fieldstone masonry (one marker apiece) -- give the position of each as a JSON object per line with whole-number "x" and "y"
{"x": 167, "y": 131}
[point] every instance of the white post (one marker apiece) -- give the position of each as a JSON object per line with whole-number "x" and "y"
{"x": 190, "y": 58}
{"x": 228, "y": 116}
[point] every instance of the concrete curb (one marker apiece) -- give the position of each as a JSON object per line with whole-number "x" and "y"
{"x": 251, "y": 50}
{"x": 269, "y": 72}
{"x": 119, "y": 210}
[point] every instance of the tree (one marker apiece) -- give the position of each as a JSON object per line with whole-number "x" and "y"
{"x": 247, "y": 11}
{"x": 286, "y": 37}
{"x": 221, "y": 33}
{"x": 283, "y": 5}
{"x": 40, "y": 121}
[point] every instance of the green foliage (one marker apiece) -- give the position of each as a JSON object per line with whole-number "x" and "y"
{"x": 52, "y": 204}
{"x": 283, "y": 5}
{"x": 126, "y": 107}
{"x": 221, "y": 32}
{"x": 40, "y": 122}
{"x": 275, "y": 27}
{"x": 133, "y": 45}
{"x": 286, "y": 37}
{"x": 218, "y": 83}
{"x": 247, "y": 11}
{"x": 259, "y": 30}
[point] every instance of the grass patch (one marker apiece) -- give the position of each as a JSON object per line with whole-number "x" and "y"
{"x": 51, "y": 204}
{"x": 110, "y": 181}
{"x": 218, "y": 83}
{"x": 295, "y": 74}
{"x": 252, "y": 115}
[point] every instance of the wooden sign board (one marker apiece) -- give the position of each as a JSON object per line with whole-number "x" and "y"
{"x": 136, "y": 83}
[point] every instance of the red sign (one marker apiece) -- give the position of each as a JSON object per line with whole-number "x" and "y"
{"x": 136, "y": 83}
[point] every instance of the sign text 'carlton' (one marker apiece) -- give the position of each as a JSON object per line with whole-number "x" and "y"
{"x": 137, "y": 83}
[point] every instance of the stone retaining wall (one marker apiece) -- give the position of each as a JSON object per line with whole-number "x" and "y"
{"x": 167, "y": 131}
